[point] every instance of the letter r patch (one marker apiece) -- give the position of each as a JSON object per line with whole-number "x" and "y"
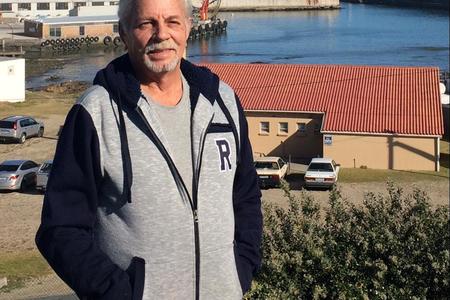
{"x": 224, "y": 149}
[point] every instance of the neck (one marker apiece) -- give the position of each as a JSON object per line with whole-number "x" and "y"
{"x": 165, "y": 89}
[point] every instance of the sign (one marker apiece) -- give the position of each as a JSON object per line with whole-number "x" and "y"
{"x": 327, "y": 139}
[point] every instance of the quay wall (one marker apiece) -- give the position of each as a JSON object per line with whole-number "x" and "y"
{"x": 254, "y": 5}
{"x": 434, "y": 4}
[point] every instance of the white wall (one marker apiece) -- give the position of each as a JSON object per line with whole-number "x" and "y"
{"x": 12, "y": 79}
{"x": 107, "y": 10}
{"x": 271, "y": 4}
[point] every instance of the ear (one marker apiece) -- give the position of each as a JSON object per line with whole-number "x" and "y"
{"x": 123, "y": 35}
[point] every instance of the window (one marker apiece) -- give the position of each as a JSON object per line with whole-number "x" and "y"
{"x": 5, "y": 6}
{"x": 62, "y": 5}
{"x": 24, "y": 6}
{"x": 283, "y": 128}
{"x": 28, "y": 165}
{"x": 114, "y": 3}
{"x": 43, "y": 6}
{"x": 116, "y": 28}
{"x": 301, "y": 127}
{"x": 316, "y": 127}
{"x": 77, "y": 4}
{"x": 98, "y": 3}
{"x": 55, "y": 31}
{"x": 264, "y": 128}
{"x": 81, "y": 30}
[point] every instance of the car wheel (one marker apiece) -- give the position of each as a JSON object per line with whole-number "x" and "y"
{"x": 22, "y": 139}
{"x": 41, "y": 132}
{"x": 23, "y": 185}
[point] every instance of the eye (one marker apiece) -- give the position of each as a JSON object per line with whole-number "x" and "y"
{"x": 145, "y": 25}
{"x": 174, "y": 22}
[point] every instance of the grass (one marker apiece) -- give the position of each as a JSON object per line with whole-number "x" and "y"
{"x": 18, "y": 267}
{"x": 372, "y": 175}
{"x": 39, "y": 104}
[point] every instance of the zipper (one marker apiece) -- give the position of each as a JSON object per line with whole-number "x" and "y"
{"x": 195, "y": 183}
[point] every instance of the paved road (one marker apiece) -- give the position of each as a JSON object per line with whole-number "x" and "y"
{"x": 12, "y": 34}
{"x": 297, "y": 168}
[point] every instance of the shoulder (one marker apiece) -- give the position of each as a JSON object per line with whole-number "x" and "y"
{"x": 93, "y": 96}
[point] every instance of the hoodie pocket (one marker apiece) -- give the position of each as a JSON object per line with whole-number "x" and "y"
{"x": 219, "y": 127}
{"x": 136, "y": 272}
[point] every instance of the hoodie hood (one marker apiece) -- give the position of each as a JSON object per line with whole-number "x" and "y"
{"x": 119, "y": 79}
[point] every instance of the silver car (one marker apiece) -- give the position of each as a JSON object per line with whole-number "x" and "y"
{"x": 42, "y": 175}
{"x": 18, "y": 174}
{"x": 19, "y": 128}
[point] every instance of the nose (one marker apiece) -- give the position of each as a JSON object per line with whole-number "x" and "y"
{"x": 161, "y": 32}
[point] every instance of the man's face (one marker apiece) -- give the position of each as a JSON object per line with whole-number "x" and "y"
{"x": 157, "y": 35}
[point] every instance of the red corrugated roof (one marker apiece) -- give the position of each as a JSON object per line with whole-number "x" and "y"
{"x": 360, "y": 99}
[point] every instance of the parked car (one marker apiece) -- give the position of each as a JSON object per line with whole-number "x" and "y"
{"x": 321, "y": 172}
{"x": 42, "y": 175}
{"x": 19, "y": 128}
{"x": 270, "y": 170}
{"x": 17, "y": 174}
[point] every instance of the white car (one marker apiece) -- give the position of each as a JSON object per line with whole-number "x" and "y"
{"x": 42, "y": 175}
{"x": 321, "y": 172}
{"x": 270, "y": 170}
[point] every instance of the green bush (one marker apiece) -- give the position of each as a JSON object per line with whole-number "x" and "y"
{"x": 394, "y": 246}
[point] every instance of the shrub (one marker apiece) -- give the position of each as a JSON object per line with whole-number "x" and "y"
{"x": 393, "y": 246}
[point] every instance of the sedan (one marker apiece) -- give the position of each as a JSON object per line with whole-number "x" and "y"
{"x": 270, "y": 170}
{"x": 42, "y": 175}
{"x": 321, "y": 172}
{"x": 17, "y": 174}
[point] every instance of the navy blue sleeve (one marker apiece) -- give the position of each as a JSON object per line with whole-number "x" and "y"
{"x": 65, "y": 236}
{"x": 247, "y": 210}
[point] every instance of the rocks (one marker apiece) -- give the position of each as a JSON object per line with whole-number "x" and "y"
{"x": 68, "y": 87}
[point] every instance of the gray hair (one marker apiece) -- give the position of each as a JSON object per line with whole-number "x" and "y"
{"x": 127, "y": 7}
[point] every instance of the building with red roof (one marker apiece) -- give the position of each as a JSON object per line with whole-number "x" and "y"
{"x": 372, "y": 116}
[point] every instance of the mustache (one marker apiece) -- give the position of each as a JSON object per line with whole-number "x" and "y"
{"x": 167, "y": 44}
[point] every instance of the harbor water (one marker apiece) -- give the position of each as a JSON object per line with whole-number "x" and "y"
{"x": 356, "y": 34}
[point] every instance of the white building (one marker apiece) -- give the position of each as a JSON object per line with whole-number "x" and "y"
{"x": 12, "y": 79}
{"x": 29, "y": 9}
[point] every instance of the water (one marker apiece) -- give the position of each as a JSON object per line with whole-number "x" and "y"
{"x": 357, "y": 34}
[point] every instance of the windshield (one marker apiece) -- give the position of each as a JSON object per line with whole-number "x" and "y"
{"x": 45, "y": 168}
{"x": 8, "y": 168}
{"x": 7, "y": 124}
{"x": 321, "y": 167}
{"x": 266, "y": 165}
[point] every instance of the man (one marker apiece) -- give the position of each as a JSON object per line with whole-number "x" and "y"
{"x": 153, "y": 193}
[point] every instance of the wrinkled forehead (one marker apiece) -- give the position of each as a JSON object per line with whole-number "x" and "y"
{"x": 160, "y": 8}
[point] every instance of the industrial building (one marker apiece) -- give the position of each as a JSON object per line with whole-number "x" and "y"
{"x": 69, "y": 27}
{"x": 361, "y": 116}
{"x": 30, "y": 9}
